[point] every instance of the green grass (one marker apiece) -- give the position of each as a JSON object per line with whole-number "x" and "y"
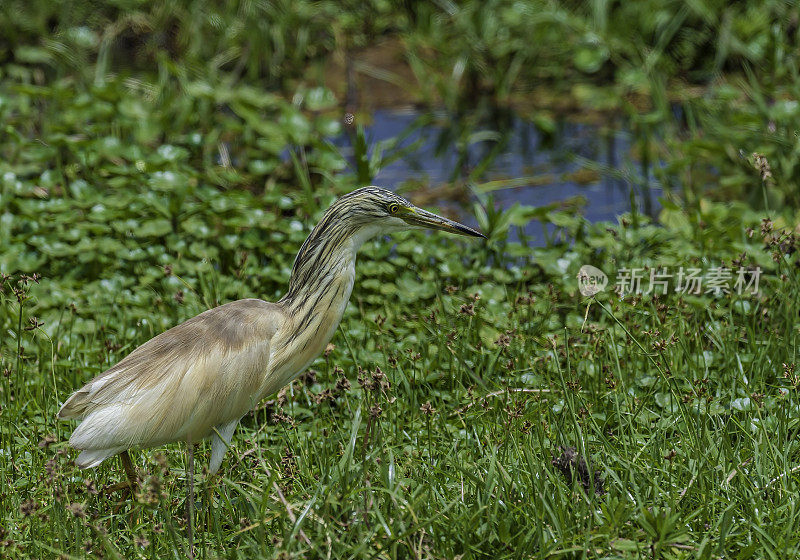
{"x": 146, "y": 174}
{"x": 466, "y": 372}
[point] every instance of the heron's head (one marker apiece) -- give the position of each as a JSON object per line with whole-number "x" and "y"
{"x": 373, "y": 211}
{"x": 351, "y": 220}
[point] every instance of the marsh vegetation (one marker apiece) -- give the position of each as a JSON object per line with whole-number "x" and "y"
{"x": 158, "y": 159}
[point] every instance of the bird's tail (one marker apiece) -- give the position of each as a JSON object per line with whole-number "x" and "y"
{"x": 92, "y": 457}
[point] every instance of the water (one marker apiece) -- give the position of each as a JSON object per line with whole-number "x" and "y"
{"x": 549, "y": 168}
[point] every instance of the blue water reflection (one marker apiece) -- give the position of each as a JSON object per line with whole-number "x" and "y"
{"x": 552, "y": 162}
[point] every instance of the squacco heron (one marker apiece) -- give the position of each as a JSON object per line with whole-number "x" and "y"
{"x": 198, "y": 379}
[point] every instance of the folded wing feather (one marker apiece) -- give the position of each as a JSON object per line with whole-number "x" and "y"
{"x": 202, "y": 373}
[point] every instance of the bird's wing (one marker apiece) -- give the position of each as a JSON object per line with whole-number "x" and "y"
{"x": 183, "y": 381}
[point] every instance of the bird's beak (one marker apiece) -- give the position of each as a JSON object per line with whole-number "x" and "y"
{"x": 423, "y": 218}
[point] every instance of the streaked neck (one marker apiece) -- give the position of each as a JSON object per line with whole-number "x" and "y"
{"x": 314, "y": 309}
{"x": 311, "y": 286}
{"x": 328, "y": 254}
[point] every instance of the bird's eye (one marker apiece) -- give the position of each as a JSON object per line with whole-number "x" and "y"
{"x": 394, "y": 208}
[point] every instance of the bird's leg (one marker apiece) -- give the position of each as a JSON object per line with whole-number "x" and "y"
{"x": 220, "y": 443}
{"x": 133, "y": 480}
{"x": 129, "y": 470}
{"x": 190, "y": 502}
